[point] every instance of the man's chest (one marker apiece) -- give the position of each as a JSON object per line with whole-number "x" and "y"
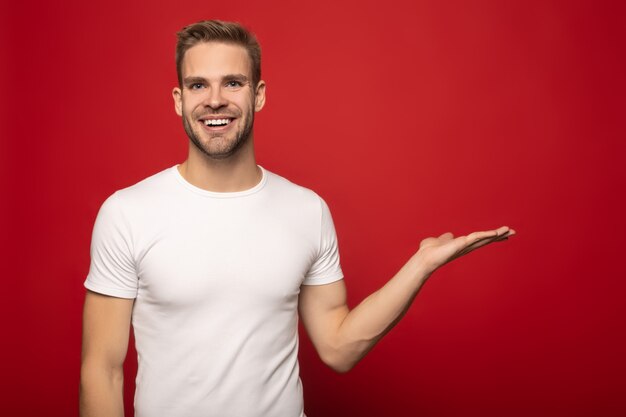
{"x": 243, "y": 256}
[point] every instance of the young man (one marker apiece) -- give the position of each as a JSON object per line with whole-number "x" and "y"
{"x": 213, "y": 259}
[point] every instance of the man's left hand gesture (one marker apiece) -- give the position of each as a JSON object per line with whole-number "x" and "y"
{"x": 434, "y": 252}
{"x": 343, "y": 336}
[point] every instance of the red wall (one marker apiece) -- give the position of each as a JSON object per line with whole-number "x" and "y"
{"x": 411, "y": 118}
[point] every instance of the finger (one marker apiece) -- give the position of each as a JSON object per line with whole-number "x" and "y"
{"x": 475, "y": 246}
{"x": 503, "y": 229}
{"x": 476, "y": 236}
{"x": 489, "y": 233}
{"x": 446, "y": 236}
{"x": 476, "y": 240}
{"x": 505, "y": 236}
{"x": 482, "y": 242}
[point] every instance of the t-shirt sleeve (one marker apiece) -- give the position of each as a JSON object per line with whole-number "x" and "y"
{"x": 326, "y": 268}
{"x": 112, "y": 270}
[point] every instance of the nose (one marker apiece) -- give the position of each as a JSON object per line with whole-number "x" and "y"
{"x": 214, "y": 98}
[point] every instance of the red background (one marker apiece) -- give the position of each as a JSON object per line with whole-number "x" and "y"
{"x": 411, "y": 118}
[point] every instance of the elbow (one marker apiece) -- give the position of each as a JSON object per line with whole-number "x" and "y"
{"x": 341, "y": 368}
{"x": 97, "y": 372}
{"x": 339, "y": 361}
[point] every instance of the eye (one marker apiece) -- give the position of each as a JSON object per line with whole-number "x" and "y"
{"x": 233, "y": 84}
{"x": 196, "y": 86}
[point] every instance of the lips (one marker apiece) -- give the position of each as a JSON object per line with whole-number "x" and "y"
{"x": 216, "y": 122}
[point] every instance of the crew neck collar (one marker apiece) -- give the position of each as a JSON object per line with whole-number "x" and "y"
{"x": 214, "y": 194}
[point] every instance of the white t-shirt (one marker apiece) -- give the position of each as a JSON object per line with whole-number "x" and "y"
{"x": 215, "y": 278}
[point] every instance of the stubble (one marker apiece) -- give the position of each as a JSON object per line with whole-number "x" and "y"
{"x": 217, "y": 145}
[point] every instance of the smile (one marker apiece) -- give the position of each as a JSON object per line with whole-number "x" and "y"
{"x": 216, "y": 122}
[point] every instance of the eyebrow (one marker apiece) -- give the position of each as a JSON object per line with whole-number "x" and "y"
{"x": 236, "y": 77}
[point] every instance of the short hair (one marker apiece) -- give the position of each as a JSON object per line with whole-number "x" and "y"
{"x": 218, "y": 31}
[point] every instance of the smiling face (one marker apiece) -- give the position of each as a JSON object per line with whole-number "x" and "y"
{"x": 217, "y": 100}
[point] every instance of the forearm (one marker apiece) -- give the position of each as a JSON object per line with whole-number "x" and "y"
{"x": 101, "y": 391}
{"x": 367, "y": 323}
{"x": 342, "y": 337}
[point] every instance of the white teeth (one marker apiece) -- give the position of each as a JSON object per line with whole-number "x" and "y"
{"x": 216, "y": 122}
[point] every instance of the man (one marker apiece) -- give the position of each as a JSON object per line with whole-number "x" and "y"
{"x": 213, "y": 259}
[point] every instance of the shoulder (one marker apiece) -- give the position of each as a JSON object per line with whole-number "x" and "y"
{"x": 153, "y": 185}
{"x": 135, "y": 199}
{"x": 147, "y": 192}
{"x": 292, "y": 201}
{"x": 281, "y": 187}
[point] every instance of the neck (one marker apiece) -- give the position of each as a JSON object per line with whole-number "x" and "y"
{"x": 238, "y": 172}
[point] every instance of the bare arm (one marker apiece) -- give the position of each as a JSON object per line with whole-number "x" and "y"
{"x": 106, "y": 327}
{"x": 343, "y": 337}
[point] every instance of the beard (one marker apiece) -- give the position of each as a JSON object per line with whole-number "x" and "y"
{"x": 218, "y": 145}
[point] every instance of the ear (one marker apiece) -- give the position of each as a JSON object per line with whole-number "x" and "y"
{"x": 177, "y": 94}
{"x": 259, "y": 96}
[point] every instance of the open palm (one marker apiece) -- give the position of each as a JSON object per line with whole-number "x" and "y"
{"x": 435, "y": 252}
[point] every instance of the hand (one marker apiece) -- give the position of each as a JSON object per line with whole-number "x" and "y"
{"x": 434, "y": 252}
